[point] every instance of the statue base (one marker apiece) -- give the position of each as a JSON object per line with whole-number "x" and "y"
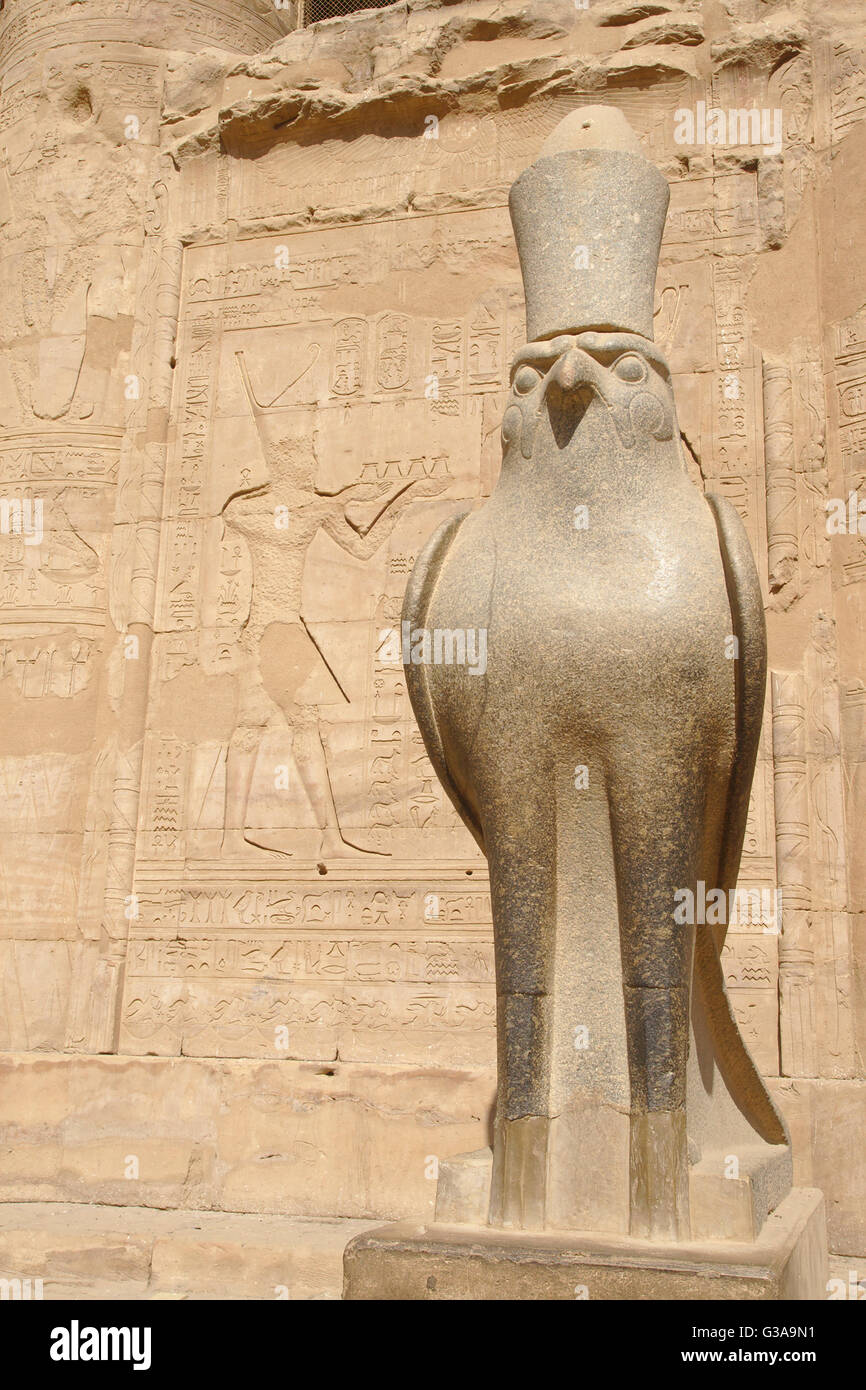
{"x": 788, "y": 1260}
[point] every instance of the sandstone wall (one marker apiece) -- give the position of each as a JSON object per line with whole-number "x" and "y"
{"x": 254, "y": 347}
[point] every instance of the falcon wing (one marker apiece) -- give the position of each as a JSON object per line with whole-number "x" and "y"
{"x": 415, "y": 606}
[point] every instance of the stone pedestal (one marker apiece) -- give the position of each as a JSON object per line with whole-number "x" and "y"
{"x": 788, "y": 1260}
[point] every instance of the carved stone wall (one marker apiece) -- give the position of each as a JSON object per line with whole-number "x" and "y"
{"x": 260, "y": 299}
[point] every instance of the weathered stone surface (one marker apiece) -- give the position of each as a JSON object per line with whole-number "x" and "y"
{"x": 825, "y": 1118}
{"x": 668, "y": 30}
{"x": 788, "y": 1261}
{"x": 235, "y": 1135}
{"x": 62, "y": 1251}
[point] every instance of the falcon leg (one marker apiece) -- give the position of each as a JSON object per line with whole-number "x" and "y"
{"x": 522, "y": 871}
{"x": 662, "y": 820}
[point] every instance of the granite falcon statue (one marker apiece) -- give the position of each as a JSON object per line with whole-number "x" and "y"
{"x": 603, "y": 760}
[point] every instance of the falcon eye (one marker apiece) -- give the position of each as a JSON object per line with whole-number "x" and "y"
{"x": 525, "y": 379}
{"x": 630, "y": 368}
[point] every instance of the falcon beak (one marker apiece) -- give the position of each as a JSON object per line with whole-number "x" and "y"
{"x": 577, "y": 375}
{"x": 574, "y": 380}
{"x": 574, "y": 369}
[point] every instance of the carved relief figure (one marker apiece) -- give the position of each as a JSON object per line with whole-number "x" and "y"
{"x": 286, "y": 675}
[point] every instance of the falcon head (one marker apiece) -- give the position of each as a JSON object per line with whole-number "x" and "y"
{"x": 589, "y": 380}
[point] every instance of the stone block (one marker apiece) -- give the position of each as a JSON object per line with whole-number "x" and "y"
{"x": 788, "y": 1261}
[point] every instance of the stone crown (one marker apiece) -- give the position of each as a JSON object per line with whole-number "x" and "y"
{"x": 588, "y": 219}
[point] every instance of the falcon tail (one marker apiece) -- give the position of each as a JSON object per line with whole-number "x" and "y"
{"x": 739, "y": 1072}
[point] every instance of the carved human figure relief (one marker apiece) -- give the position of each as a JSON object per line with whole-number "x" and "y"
{"x": 287, "y": 677}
